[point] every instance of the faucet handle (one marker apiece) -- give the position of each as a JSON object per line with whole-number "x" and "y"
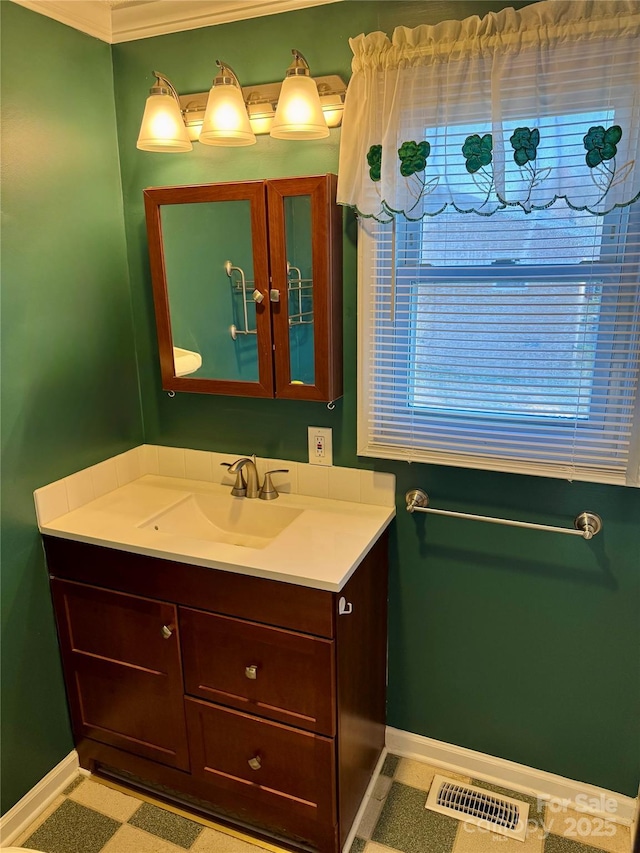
{"x": 239, "y": 489}
{"x": 268, "y": 492}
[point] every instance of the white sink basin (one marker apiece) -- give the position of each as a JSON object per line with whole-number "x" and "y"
{"x": 250, "y": 523}
{"x": 185, "y": 361}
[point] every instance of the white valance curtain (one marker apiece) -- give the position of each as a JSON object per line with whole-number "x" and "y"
{"x": 519, "y": 108}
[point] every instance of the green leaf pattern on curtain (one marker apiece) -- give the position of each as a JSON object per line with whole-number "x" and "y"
{"x": 374, "y": 159}
{"x": 478, "y": 153}
{"x": 600, "y": 145}
{"x": 413, "y": 157}
{"x": 413, "y": 161}
{"x": 525, "y": 141}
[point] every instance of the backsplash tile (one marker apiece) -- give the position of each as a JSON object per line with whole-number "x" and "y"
{"x": 149, "y": 459}
{"x": 377, "y": 487}
{"x": 104, "y": 476}
{"x": 171, "y": 462}
{"x": 198, "y": 464}
{"x": 51, "y": 501}
{"x": 80, "y": 489}
{"x": 128, "y": 467}
{"x": 345, "y": 484}
{"x": 313, "y": 480}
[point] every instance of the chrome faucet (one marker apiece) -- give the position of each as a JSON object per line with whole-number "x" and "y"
{"x": 252, "y": 488}
{"x": 252, "y": 474}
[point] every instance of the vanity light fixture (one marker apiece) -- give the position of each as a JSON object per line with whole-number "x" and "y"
{"x": 231, "y": 115}
{"x": 163, "y": 127}
{"x": 299, "y": 112}
{"x": 226, "y": 121}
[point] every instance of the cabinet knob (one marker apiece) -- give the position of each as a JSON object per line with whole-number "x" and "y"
{"x": 257, "y": 296}
{"x": 255, "y": 763}
{"x": 167, "y": 631}
{"x": 274, "y": 295}
{"x": 251, "y": 672}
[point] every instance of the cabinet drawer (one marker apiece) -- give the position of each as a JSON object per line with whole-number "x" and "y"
{"x": 272, "y": 672}
{"x": 290, "y": 770}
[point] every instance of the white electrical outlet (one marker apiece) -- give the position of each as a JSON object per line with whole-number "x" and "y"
{"x": 320, "y": 446}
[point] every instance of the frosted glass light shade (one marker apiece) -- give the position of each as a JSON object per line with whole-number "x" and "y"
{"x": 299, "y": 112}
{"x": 162, "y": 127}
{"x": 225, "y": 119}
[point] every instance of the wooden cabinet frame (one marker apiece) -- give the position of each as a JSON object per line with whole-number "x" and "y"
{"x": 268, "y": 237}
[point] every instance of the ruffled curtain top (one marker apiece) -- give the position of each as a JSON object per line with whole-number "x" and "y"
{"x": 520, "y": 108}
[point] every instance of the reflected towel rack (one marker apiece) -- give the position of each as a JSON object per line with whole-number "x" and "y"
{"x": 241, "y": 287}
{"x": 586, "y": 524}
{"x": 297, "y": 284}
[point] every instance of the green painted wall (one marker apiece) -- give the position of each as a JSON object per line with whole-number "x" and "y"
{"x": 69, "y": 385}
{"x": 515, "y": 643}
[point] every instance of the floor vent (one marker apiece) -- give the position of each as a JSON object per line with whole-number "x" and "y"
{"x": 478, "y": 806}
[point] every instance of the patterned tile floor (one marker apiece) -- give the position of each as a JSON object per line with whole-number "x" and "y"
{"x": 92, "y": 817}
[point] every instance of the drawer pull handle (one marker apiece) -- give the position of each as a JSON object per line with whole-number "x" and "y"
{"x": 167, "y": 631}
{"x": 255, "y": 763}
{"x": 251, "y": 672}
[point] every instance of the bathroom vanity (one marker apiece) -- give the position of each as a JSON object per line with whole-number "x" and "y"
{"x": 256, "y": 700}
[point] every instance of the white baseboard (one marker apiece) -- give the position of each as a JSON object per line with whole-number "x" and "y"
{"x": 365, "y": 802}
{"x": 547, "y": 786}
{"x": 26, "y": 810}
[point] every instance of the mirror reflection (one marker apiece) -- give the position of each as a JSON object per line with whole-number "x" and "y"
{"x": 210, "y": 281}
{"x": 297, "y": 214}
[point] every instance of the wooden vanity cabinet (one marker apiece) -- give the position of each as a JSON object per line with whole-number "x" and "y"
{"x": 257, "y": 702}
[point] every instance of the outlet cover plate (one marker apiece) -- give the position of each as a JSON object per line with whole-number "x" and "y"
{"x": 320, "y": 446}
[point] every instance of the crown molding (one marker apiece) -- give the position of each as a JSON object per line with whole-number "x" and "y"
{"x": 88, "y": 16}
{"x": 116, "y": 22}
{"x": 130, "y": 22}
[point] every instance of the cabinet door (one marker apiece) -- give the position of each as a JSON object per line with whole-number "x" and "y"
{"x": 122, "y": 669}
{"x": 209, "y": 268}
{"x": 305, "y": 251}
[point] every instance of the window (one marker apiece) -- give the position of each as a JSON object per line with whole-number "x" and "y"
{"x": 495, "y": 166}
{"x": 526, "y": 363}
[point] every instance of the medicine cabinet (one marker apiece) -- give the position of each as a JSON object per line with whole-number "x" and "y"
{"x": 247, "y": 285}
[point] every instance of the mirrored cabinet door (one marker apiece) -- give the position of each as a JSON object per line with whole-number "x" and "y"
{"x": 247, "y": 284}
{"x": 305, "y": 251}
{"x": 209, "y": 267}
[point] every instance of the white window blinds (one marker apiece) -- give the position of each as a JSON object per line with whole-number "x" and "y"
{"x": 515, "y": 349}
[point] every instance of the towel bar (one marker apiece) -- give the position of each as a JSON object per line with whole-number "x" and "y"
{"x": 586, "y": 524}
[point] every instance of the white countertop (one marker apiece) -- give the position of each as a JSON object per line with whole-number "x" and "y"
{"x": 320, "y": 548}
